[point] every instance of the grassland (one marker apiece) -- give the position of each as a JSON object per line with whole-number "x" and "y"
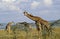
{"x": 31, "y": 34}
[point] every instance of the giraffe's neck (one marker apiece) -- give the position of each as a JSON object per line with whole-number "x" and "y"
{"x": 34, "y": 18}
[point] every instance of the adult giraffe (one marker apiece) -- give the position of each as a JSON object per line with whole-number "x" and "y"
{"x": 40, "y": 23}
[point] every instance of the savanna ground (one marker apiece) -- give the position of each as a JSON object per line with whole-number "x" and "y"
{"x": 31, "y": 34}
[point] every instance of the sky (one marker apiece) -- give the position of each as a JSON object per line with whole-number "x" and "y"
{"x": 12, "y": 10}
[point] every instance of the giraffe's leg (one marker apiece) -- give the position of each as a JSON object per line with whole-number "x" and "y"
{"x": 9, "y": 30}
{"x": 38, "y": 29}
{"x": 44, "y": 32}
{"x": 38, "y": 25}
{"x": 48, "y": 30}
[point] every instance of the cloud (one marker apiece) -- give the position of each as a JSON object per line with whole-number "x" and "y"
{"x": 35, "y": 4}
{"x": 11, "y": 5}
{"x": 24, "y": 0}
{"x": 8, "y": 1}
{"x": 6, "y": 5}
{"x": 16, "y": 1}
{"x": 48, "y": 2}
{"x": 19, "y": 1}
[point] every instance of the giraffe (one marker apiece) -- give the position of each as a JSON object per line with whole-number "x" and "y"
{"x": 27, "y": 25}
{"x": 37, "y": 20}
{"x": 40, "y": 23}
{"x": 27, "y": 28}
{"x": 8, "y": 27}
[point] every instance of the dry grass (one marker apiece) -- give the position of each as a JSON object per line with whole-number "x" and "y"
{"x": 32, "y": 34}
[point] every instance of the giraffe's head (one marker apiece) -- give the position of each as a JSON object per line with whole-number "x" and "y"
{"x": 11, "y": 23}
{"x": 25, "y": 13}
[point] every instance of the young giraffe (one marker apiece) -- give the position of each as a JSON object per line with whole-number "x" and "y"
{"x": 40, "y": 23}
{"x": 8, "y": 27}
